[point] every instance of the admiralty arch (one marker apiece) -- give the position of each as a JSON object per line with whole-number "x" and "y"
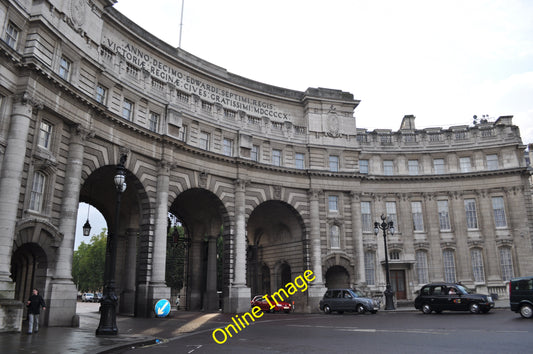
{"x": 286, "y": 178}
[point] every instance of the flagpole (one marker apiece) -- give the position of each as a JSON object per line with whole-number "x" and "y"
{"x": 181, "y": 22}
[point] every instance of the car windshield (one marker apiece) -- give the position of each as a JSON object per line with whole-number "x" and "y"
{"x": 357, "y": 293}
{"x": 463, "y": 290}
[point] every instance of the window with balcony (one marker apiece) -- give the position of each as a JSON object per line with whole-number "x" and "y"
{"x": 334, "y": 163}
{"x": 471, "y": 214}
{"x": 101, "y": 94}
{"x": 276, "y": 157}
{"x": 204, "y": 140}
{"x": 153, "y": 121}
{"x": 227, "y": 147}
{"x": 12, "y": 34}
{"x": 127, "y": 110}
{"x": 418, "y": 217}
{"x": 363, "y": 166}
{"x": 45, "y": 134}
{"x": 498, "y": 208}
{"x": 64, "y": 68}
{"x": 299, "y": 161}
{"x": 37, "y": 191}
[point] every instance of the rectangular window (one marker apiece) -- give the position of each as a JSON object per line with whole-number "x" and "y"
{"x": 64, "y": 68}
{"x": 335, "y": 239}
{"x": 45, "y": 133}
{"x": 471, "y": 214}
{"x": 444, "y": 215}
{"x": 391, "y": 213}
{"x": 370, "y": 265}
{"x": 363, "y": 166}
{"x": 499, "y": 212}
{"x": 227, "y": 146}
{"x": 37, "y": 191}
{"x": 418, "y": 217}
{"x": 422, "y": 267}
{"x": 333, "y": 202}
{"x": 204, "y": 140}
{"x": 299, "y": 160}
{"x": 255, "y": 153}
{"x": 438, "y": 166}
{"x": 506, "y": 263}
{"x": 127, "y": 110}
{"x": 388, "y": 168}
{"x": 477, "y": 265}
{"x": 334, "y": 163}
{"x": 492, "y": 162}
{"x": 153, "y": 121}
{"x": 465, "y": 164}
{"x": 11, "y": 35}
{"x": 182, "y": 133}
{"x": 101, "y": 94}
{"x": 366, "y": 217}
{"x": 413, "y": 167}
{"x": 448, "y": 257}
{"x": 276, "y": 157}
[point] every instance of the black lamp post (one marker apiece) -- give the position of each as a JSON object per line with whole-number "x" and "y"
{"x": 389, "y": 301}
{"x": 108, "y": 320}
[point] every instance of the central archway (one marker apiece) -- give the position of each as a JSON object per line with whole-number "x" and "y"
{"x": 205, "y": 221}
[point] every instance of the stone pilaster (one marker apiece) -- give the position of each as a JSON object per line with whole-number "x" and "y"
{"x": 357, "y": 235}
{"x": 316, "y": 288}
{"x": 210, "y": 295}
{"x": 239, "y": 292}
{"x": 63, "y": 292}
{"x": 127, "y": 298}
{"x": 10, "y": 187}
{"x": 158, "y": 288}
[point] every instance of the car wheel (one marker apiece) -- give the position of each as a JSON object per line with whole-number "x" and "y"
{"x": 360, "y": 309}
{"x": 526, "y": 311}
{"x": 474, "y": 308}
{"x": 426, "y": 309}
{"x": 327, "y": 309}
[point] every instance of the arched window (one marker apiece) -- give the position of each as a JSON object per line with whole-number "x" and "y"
{"x": 422, "y": 266}
{"x": 477, "y": 265}
{"x": 334, "y": 236}
{"x": 37, "y": 191}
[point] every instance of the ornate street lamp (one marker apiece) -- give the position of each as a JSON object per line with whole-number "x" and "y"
{"x": 389, "y": 301}
{"x": 108, "y": 320}
{"x": 87, "y": 228}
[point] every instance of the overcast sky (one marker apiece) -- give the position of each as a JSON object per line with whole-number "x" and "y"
{"x": 442, "y": 61}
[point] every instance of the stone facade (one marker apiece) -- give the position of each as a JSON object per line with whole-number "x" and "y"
{"x": 285, "y": 177}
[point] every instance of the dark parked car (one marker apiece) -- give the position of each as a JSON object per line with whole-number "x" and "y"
{"x": 521, "y": 296}
{"x": 341, "y": 300}
{"x": 440, "y": 297}
{"x": 265, "y": 305}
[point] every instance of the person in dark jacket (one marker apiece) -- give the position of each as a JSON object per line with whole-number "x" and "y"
{"x": 34, "y": 309}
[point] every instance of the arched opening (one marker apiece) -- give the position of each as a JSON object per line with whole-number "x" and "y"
{"x": 276, "y": 239}
{"x": 28, "y": 270}
{"x": 337, "y": 277}
{"x": 205, "y": 244}
{"x": 133, "y": 234}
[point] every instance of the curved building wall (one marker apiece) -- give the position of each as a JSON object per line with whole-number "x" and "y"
{"x": 287, "y": 174}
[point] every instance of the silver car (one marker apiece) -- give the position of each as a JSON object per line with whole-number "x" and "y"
{"x": 341, "y": 300}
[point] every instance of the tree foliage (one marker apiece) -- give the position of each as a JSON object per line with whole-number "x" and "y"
{"x": 88, "y": 263}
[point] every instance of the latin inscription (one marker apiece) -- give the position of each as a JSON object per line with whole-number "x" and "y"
{"x": 187, "y": 83}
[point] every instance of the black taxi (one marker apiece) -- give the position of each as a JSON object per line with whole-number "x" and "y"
{"x": 440, "y": 297}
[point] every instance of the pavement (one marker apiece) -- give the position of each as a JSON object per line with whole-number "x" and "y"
{"x": 133, "y": 331}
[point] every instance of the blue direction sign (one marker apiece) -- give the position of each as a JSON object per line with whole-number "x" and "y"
{"x": 162, "y": 308}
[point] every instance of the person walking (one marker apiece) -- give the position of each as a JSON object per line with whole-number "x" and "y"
{"x": 34, "y": 309}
